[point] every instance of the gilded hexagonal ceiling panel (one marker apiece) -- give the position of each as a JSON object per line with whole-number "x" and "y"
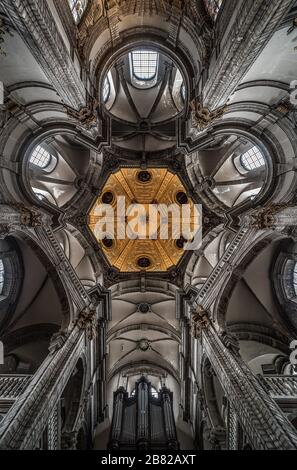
{"x": 154, "y": 186}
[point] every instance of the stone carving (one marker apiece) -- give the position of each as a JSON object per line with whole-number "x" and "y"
{"x": 200, "y": 321}
{"x": 17, "y": 215}
{"x": 87, "y": 321}
{"x": 202, "y": 117}
{"x": 87, "y": 115}
{"x": 266, "y": 217}
{"x": 30, "y": 218}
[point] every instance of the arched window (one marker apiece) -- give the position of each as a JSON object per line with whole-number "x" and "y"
{"x": 106, "y": 89}
{"x": 40, "y": 157}
{"x": 77, "y": 8}
{"x": 213, "y": 7}
{"x": 252, "y": 159}
{"x": 2, "y": 273}
{"x": 144, "y": 64}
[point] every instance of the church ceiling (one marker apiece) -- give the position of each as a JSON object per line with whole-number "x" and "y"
{"x": 145, "y": 187}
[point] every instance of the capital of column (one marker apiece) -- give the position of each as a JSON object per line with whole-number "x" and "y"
{"x": 200, "y": 320}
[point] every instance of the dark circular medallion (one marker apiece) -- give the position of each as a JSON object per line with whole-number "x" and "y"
{"x": 107, "y": 242}
{"x": 182, "y": 198}
{"x": 107, "y": 197}
{"x": 143, "y": 308}
{"x": 180, "y": 243}
{"x": 144, "y": 176}
{"x": 143, "y": 262}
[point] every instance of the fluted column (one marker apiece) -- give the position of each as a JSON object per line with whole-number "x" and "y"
{"x": 258, "y": 414}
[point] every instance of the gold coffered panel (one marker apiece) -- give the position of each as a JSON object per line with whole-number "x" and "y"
{"x": 152, "y": 186}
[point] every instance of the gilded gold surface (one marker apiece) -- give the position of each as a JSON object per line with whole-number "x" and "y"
{"x": 160, "y": 189}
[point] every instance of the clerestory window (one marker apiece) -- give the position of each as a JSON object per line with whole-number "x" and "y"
{"x": 252, "y": 159}
{"x": 40, "y": 157}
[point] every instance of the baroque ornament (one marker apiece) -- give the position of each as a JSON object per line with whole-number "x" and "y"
{"x": 202, "y": 117}
{"x": 87, "y": 321}
{"x": 200, "y": 321}
{"x": 266, "y": 217}
{"x": 87, "y": 115}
